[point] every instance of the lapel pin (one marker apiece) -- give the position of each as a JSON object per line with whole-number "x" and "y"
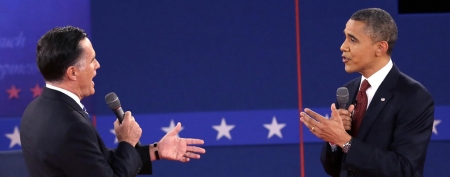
{"x": 382, "y": 99}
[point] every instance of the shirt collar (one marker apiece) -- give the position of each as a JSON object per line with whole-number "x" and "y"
{"x": 68, "y": 93}
{"x": 377, "y": 78}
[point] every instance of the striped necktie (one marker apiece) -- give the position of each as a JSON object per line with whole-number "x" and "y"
{"x": 84, "y": 109}
{"x": 360, "y": 109}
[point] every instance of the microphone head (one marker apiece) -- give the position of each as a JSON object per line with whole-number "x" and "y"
{"x": 342, "y": 95}
{"x": 112, "y": 100}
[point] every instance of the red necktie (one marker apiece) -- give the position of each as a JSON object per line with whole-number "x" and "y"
{"x": 361, "y": 106}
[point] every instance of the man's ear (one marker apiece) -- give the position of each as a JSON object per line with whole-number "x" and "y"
{"x": 72, "y": 73}
{"x": 382, "y": 48}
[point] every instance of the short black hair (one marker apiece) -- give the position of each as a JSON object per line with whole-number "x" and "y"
{"x": 379, "y": 25}
{"x": 57, "y": 50}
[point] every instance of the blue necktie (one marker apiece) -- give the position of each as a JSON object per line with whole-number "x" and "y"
{"x": 84, "y": 109}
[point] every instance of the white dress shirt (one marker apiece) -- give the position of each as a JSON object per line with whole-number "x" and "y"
{"x": 70, "y": 94}
{"x": 375, "y": 81}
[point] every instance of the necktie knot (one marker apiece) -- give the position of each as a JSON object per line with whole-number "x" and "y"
{"x": 365, "y": 85}
{"x": 84, "y": 109}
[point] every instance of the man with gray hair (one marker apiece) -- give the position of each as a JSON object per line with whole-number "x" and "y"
{"x": 386, "y": 129}
{"x": 57, "y": 136}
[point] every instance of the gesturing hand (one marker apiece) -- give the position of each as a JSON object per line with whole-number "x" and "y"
{"x": 171, "y": 147}
{"x": 330, "y": 130}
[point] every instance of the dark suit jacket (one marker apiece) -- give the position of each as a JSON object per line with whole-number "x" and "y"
{"x": 394, "y": 133}
{"x": 58, "y": 139}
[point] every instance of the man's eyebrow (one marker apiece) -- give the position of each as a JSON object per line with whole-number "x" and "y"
{"x": 351, "y": 35}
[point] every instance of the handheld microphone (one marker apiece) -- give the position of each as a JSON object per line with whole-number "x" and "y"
{"x": 114, "y": 103}
{"x": 342, "y": 97}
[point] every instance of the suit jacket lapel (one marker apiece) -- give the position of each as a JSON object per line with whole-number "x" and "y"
{"x": 53, "y": 94}
{"x": 353, "y": 89}
{"x": 380, "y": 99}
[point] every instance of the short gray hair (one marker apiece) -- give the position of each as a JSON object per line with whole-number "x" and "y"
{"x": 380, "y": 25}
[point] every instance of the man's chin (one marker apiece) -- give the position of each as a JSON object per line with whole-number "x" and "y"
{"x": 349, "y": 70}
{"x": 91, "y": 92}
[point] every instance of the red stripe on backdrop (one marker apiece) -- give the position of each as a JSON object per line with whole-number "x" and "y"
{"x": 94, "y": 120}
{"x": 299, "y": 82}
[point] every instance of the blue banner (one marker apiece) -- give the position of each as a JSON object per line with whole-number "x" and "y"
{"x": 217, "y": 128}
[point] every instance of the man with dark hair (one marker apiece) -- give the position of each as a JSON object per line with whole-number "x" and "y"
{"x": 57, "y": 136}
{"x": 390, "y": 127}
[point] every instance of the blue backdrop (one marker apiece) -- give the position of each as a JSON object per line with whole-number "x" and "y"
{"x": 225, "y": 69}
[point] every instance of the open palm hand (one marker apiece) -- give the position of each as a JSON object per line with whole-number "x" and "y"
{"x": 172, "y": 147}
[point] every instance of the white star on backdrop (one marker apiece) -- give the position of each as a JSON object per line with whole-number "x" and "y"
{"x": 223, "y": 129}
{"x": 114, "y": 132}
{"x": 170, "y": 127}
{"x": 436, "y": 122}
{"x": 274, "y": 128}
{"x": 14, "y": 137}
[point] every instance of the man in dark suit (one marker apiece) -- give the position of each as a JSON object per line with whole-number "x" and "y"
{"x": 391, "y": 125}
{"x": 57, "y": 136}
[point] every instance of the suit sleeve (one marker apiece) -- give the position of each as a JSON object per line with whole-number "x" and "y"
{"x": 407, "y": 151}
{"x": 144, "y": 152}
{"x": 331, "y": 161}
{"x": 83, "y": 156}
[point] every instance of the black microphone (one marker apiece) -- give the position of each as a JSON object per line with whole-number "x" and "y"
{"x": 342, "y": 97}
{"x": 114, "y": 103}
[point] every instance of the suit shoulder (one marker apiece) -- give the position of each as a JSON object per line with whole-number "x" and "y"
{"x": 43, "y": 102}
{"x": 353, "y": 81}
{"x": 46, "y": 109}
{"x": 409, "y": 89}
{"x": 408, "y": 84}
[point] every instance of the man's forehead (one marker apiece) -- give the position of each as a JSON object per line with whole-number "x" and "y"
{"x": 353, "y": 26}
{"x": 86, "y": 43}
{"x": 87, "y": 48}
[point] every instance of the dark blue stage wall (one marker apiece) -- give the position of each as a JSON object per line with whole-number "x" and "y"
{"x": 199, "y": 62}
{"x": 22, "y": 23}
{"x": 227, "y": 69}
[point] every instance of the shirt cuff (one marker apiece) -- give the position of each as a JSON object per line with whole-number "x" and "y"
{"x": 333, "y": 147}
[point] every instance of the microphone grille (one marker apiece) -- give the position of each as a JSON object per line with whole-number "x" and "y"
{"x": 342, "y": 95}
{"x": 112, "y": 100}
